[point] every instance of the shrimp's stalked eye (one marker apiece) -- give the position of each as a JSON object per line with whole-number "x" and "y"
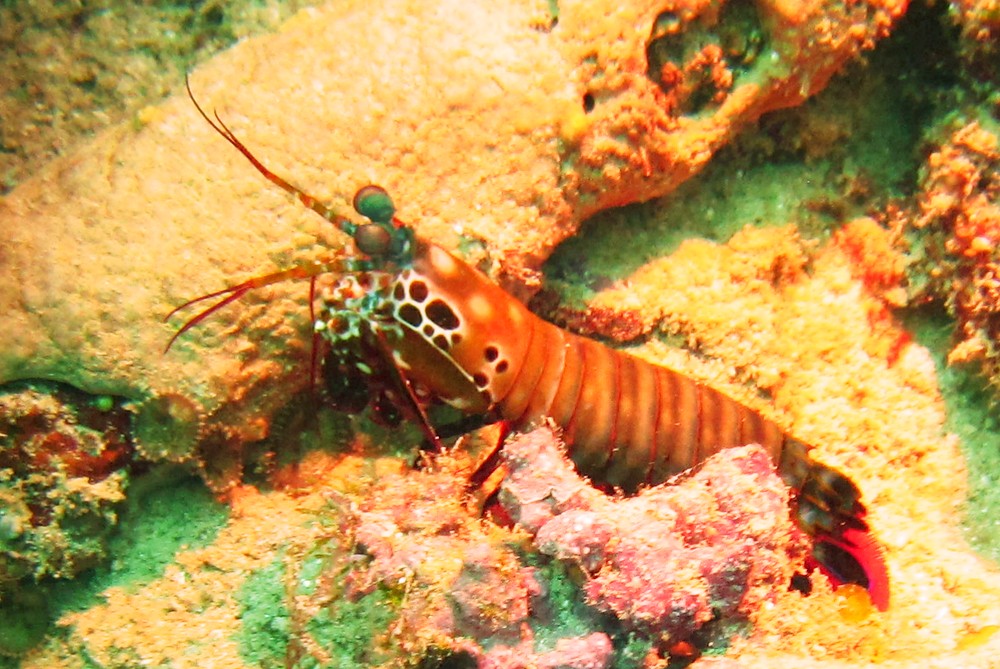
{"x": 373, "y": 239}
{"x": 374, "y": 203}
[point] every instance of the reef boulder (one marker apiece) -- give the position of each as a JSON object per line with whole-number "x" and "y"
{"x": 717, "y": 544}
{"x": 498, "y": 129}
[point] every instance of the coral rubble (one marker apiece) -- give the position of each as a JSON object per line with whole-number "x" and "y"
{"x": 717, "y": 545}
{"x": 447, "y": 583}
{"x": 959, "y": 219}
{"x": 63, "y": 462}
{"x": 458, "y": 577}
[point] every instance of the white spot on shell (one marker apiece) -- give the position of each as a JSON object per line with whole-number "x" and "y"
{"x": 460, "y": 403}
{"x": 443, "y": 262}
{"x": 480, "y": 307}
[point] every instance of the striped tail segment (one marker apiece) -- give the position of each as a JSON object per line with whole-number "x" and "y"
{"x": 828, "y": 507}
{"x": 629, "y": 423}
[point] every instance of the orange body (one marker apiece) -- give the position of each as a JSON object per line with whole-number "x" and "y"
{"x": 628, "y": 422}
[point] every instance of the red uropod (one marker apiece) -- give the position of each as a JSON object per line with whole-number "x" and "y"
{"x": 421, "y": 325}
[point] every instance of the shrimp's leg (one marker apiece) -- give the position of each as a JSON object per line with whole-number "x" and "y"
{"x": 413, "y": 407}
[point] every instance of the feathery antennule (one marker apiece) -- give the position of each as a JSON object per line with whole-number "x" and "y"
{"x": 303, "y": 271}
{"x": 233, "y": 293}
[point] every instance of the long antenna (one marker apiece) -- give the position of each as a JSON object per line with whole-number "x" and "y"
{"x": 342, "y": 222}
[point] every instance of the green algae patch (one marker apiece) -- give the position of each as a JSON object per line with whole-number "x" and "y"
{"x": 332, "y": 632}
{"x": 350, "y": 630}
{"x": 167, "y": 511}
{"x": 266, "y": 621}
{"x": 567, "y": 615}
{"x": 971, "y": 414}
{"x": 23, "y": 622}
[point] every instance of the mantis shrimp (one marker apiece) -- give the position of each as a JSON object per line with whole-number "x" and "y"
{"x": 443, "y": 332}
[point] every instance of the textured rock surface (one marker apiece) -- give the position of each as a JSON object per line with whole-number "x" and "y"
{"x": 679, "y": 78}
{"x": 70, "y": 70}
{"x": 460, "y": 578}
{"x": 63, "y": 460}
{"x": 590, "y": 652}
{"x": 960, "y": 222}
{"x": 363, "y": 562}
{"x": 496, "y": 129}
{"x": 847, "y": 378}
{"x": 716, "y": 545}
{"x": 838, "y": 367}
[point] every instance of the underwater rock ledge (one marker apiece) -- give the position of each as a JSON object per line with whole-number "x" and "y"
{"x": 497, "y": 128}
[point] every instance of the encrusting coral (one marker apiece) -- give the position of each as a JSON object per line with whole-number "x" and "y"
{"x": 450, "y": 583}
{"x": 64, "y": 459}
{"x": 959, "y": 227}
{"x": 717, "y": 545}
{"x": 979, "y": 21}
{"x": 497, "y": 129}
{"x": 679, "y": 79}
{"x": 63, "y": 464}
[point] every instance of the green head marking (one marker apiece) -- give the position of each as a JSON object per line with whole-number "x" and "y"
{"x": 383, "y": 238}
{"x": 103, "y": 403}
{"x": 374, "y": 203}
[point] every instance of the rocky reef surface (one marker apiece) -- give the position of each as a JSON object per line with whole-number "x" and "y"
{"x": 520, "y": 129}
{"x": 960, "y": 217}
{"x": 499, "y": 130}
{"x": 714, "y": 547}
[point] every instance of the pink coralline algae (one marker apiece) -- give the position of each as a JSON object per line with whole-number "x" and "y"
{"x": 587, "y": 652}
{"x": 457, "y": 586}
{"x": 717, "y": 544}
{"x": 460, "y": 578}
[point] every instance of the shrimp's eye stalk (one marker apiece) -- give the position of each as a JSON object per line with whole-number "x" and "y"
{"x": 372, "y": 239}
{"x": 374, "y": 203}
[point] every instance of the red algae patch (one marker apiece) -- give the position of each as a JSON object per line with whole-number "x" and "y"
{"x": 64, "y": 460}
